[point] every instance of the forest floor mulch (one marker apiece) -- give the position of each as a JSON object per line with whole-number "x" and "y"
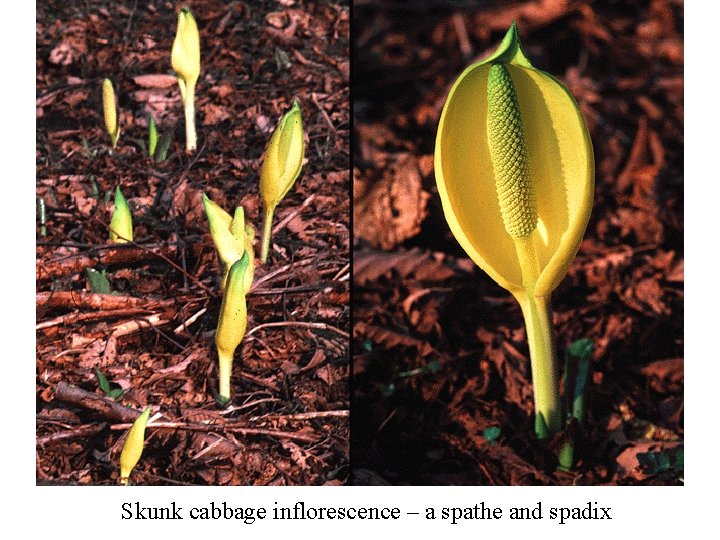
{"x": 152, "y": 335}
{"x": 441, "y": 379}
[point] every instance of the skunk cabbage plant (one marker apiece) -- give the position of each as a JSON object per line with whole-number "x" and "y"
{"x": 515, "y": 173}
{"x": 280, "y": 168}
{"x": 110, "y": 112}
{"x": 121, "y": 227}
{"x": 185, "y": 59}
{"x": 133, "y": 447}
{"x": 232, "y": 322}
{"x": 232, "y": 238}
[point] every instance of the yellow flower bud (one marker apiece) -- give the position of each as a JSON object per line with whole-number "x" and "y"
{"x": 133, "y": 447}
{"x": 228, "y": 234}
{"x": 110, "y": 112}
{"x": 121, "y": 227}
{"x": 232, "y": 322}
{"x": 185, "y": 59}
{"x": 185, "y": 56}
{"x": 281, "y": 167}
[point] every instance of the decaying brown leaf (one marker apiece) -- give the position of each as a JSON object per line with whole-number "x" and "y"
{"x": 393, "y": 208}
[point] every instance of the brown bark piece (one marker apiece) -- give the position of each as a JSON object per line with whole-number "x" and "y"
{"x": 393, "y": 208}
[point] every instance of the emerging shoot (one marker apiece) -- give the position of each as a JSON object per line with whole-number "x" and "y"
{"x": 152, "y": 138}
{"x": 280, "y": 168}
{"x": 232, "y": 323}
{"x": 133, "y": 447}
{"x": 121, "y": 227}
{"x": 185, "y": 60}
{"x": 110, "y": 112}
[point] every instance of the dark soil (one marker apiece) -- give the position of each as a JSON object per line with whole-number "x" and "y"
{"x": 288, "y": 420}
{"x": 439, "y": 349}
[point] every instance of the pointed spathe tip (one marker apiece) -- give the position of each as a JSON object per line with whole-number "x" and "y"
{"x": 510, "y": 50}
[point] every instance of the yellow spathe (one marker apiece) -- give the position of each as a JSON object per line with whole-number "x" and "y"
{"x": 133, "y": 447}
{"x": 231, "y": 238}
{"x": 560, "y": 163}
{"x": 185, "y": 56}
{"x": 121, "y": 226}
{"x": 232, "y": 322}
{"x": 110, "y": 112}
{"x": 283, "y": 158}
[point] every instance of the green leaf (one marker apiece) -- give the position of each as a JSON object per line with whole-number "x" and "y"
{"x": 163, "y": 146}
{"x": 98, "y": 281}
{"x": 115, "y": 393}
{"x": 576, "y": 375}
{"x": 541, "y": 428}
{"x": 433, "y": 366}
{"x": 582, "y": 348}
{"x": 491, "y": 433}
{"x": 661, "y": 461}
{"x": 152, "y": 137}
{"x": 578, "y": 363}
{"x": 102, "y": 381}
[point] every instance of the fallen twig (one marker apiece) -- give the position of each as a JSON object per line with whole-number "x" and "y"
{"x": 119, "y": 254}
{"x": 293, "y": 214}
{"x": 72, "y": 395}
{"x": 76, "y": 317}
{"x": 343, "y": 413}
{"x": 319, "y": 326}
{"x": 89, "y": 300}
{"x": 82, "y": 432}
{"x": 180, "y": 329}
{"x": 223, "y": 427}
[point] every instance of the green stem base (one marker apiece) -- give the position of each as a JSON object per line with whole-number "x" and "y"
{"x": 190, "y": 134}
{"x": 267, "y": 232}
{"x": 538, "y": 322}
{"x": 224, "y": 373}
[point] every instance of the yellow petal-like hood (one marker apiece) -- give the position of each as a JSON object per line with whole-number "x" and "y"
{"x": 233, "y": 311}
{"x": 560, "y": 162}
{"x": 133, "y": 447}
{"x": 283, "y": 158}
{"x": 228, "y": 233}
{"x": 121, "y": 227}
{"x": 110, "y": 112}
{"x": 185, "y": 56}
